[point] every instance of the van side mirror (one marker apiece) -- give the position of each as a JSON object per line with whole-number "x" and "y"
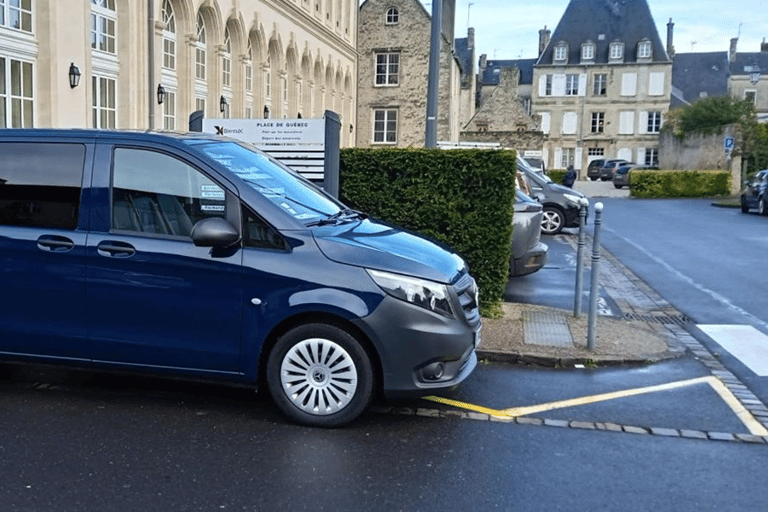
{"x": 214, "y": 232}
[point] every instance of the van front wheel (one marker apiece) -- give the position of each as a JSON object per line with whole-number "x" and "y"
{"x": 320, "y": 375}
{"x": 553, "y": 220}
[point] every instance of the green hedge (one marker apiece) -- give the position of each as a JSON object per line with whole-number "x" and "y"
{"x": 463, "y": 198}
{"x": 556, "y": 175}
{"x": 648, "y": 183}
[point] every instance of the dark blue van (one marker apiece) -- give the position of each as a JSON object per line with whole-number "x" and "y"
{"x": 202, "y": 257}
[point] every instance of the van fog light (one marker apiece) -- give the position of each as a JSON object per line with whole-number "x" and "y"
{"x": 433, "y": 371}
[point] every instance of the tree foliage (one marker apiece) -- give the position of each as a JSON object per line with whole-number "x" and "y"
{"x": 710, "y": 115}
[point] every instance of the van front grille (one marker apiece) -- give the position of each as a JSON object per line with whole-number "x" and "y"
{"x": 467, "y": 292}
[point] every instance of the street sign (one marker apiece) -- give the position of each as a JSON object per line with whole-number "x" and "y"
{"x": 728, "y": 143}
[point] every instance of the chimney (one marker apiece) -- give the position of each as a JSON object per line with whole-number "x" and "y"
{"x": 543, "y": 39}
{"x": 732, "y": 51}
{"x": 470, "y": 38}
{"x": 764, "y": 47}
{"x": 670, "y": 38}
{"x": 483, "y": 62}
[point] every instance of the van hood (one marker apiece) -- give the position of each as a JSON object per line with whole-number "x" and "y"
{"x": 565, "y": 190}
{"x": 378, "y": 246}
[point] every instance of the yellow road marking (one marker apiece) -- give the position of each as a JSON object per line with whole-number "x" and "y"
{"x": 744, "y": 415}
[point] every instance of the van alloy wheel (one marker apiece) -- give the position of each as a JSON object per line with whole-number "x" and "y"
{"x": 320, "y": 375}
{"x": 761, "y": 208}
{"x": 553, "y": 220}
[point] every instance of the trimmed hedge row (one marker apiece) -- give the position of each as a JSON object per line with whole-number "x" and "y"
{"x": 462, "y": 197}
{"x": 658, "y": 184}
{"x": 556, "y": 175}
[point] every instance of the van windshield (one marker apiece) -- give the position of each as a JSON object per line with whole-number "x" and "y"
{"x": 273, "y": 180}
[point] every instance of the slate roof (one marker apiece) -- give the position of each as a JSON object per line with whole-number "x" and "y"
{"x": 696, "y": 73}
{"x": 749, "y": 60}
{"x": 629, "y": 21}
{"x": 493, "y": 70}
{"x": 463, "y": 54}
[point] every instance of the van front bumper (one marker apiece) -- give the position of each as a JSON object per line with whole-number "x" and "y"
{"x": 420, "y": 352}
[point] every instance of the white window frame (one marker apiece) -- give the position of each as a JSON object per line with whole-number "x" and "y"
{"x": 567, "y": 157}
{"x": 21, "y": 13}
{"x": 284, "y": 94}
{"x": 226, "y": 61}
{"x": 588, "y": 51}
{"x": 104, "y": 103}
{"x": 596, "y": 83}
{"x": 200, "y": 49}
{"x": 390, "y": 77}
{"x": 652, "y": 157}
{"x": 169, "y": 35}
{"x": 655, "y": 120}
{"x": 644, "y": 50}
{"x": 751, "y": 94}
{"x": 616, "y": 51}
{"x": 560, "y": 53}
{"x": 23, "y": 103}
{"x": 169, "y": 110}
{"x": 572, "y": 84}
{"x": 384, "y": 135}
{"x": 597, "y": 124}
{"x": 104, "y": 26}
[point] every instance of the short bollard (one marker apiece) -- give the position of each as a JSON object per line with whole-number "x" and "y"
{"x": 595, "y": 271}
{"x": 583, "y": 207}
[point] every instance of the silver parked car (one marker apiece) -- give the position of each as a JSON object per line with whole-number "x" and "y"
{"x": 529, "y": 254}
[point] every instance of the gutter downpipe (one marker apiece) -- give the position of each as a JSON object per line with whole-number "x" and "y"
{"x": 151, "y": 62}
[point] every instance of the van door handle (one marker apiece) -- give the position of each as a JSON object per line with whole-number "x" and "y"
{"x": 55, "y": 243}
{"x": 116, "y": 249}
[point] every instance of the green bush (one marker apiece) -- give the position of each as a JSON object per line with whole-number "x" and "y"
{"x": 556, "y": 175}
{"x": 647, "y": 183}
{"x": 463, "y": 198}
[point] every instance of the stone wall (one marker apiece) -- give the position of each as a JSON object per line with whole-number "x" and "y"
{"x": 519, "y": 141}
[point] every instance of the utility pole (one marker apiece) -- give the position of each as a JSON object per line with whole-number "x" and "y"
{"x": 430, "y": 139}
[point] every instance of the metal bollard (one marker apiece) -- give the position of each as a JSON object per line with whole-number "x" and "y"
{"x": 595, "y": 271}
{"x": 583, "y": 206}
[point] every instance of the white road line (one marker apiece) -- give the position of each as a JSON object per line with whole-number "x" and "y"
{"x": 744, "y": 342}
{"x": 716, "y": 296}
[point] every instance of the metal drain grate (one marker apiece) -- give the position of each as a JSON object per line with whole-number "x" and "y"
{"x": 659, "y": 319}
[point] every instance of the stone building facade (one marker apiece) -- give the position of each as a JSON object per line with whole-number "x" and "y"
{"x": 229, "y": 58}
{"x": 394, "y": 46}
{"x": 602, "y": 85}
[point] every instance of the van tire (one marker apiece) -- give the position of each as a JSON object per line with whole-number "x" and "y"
{"x": 552, "y": 221}
{"x": 320, "y": 375}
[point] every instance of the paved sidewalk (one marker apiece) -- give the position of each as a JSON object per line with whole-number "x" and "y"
{"x": 649, "y": 329}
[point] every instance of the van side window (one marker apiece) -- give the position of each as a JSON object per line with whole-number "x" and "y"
{"x": 159, "y": 194}
{"x": 40, "y": 184}
{"x": 259, "y": 235}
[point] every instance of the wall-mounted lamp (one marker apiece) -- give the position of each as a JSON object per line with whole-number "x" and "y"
{"x": 74, "y": 75}
{"x": 266, "y": 112}
{"x": 754, "y": 75}
{"x": 222, "y": 104}
{"x": 299, "y": 115}
{"x": 160, "y": 94}
{"x": 351, "y": 128}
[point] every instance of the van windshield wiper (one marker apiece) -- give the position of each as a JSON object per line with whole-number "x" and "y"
{"x": 345, "y": 214}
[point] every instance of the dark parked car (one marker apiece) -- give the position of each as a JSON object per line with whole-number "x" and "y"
{"x": 621, "y": 177}
{"x": 529, "y": 254}
{"x": 196, "y": 256}
{"x": 609, "y": 168}
{"x": 561, "y": 204}
{"x": 593, "y": 169}
{"x": 755, "y": 194}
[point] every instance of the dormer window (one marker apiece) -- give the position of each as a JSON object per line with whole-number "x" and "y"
{"x": 616, "y": 51}
{"x": 588, "y": 51}
{"x": 644, "y": 50}
{"x": 393, "y": 16}
{"x": 561, "y": 53}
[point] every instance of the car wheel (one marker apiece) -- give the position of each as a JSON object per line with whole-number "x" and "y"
{"x": 320, "y": 375}
{"x": 744, "y": 206}
{"x": 617, "y": 185}
{"x": 553, "y": 220}
{"x": 593, "y": 179}
{"x": 761, "y": 207}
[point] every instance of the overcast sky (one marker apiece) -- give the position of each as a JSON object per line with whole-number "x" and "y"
{"x": 509, "y": 29}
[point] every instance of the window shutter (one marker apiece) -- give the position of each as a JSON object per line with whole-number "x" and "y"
{"x": 545, "y": 122}
{"x": 558, "y": 85}
{"x": 640, "y": 156}
{"x": 656, "y": 84}
{"x": 629, "y": 84}
{"x": 558, "y": 158}
{"x": 642, "y": 125}
{"x": 582, "y": 85}
{"x": 542, "y": 85}
{"x": 577, "y": 158}
{"x": 570, "y": 121}
{"x": 626, "y": 154}
{"x": 626, "y": 122}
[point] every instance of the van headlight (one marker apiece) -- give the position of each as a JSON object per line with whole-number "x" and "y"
{"x": 420, "y": 292}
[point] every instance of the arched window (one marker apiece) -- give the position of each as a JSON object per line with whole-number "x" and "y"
{"x": 169, "y": 36}
{"x": 200, "y": 49}
{"x": 393, "y": 16}
{"x": 104, "y": 64}
{"x": 226, "y": 64}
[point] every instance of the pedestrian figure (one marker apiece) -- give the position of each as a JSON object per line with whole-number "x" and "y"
{"x": 570, "y": 176}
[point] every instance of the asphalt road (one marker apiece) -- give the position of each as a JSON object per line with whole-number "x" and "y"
{"x": 72, "y": 441}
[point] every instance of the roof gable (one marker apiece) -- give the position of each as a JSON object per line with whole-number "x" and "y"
{"x": 603, "y": 22}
